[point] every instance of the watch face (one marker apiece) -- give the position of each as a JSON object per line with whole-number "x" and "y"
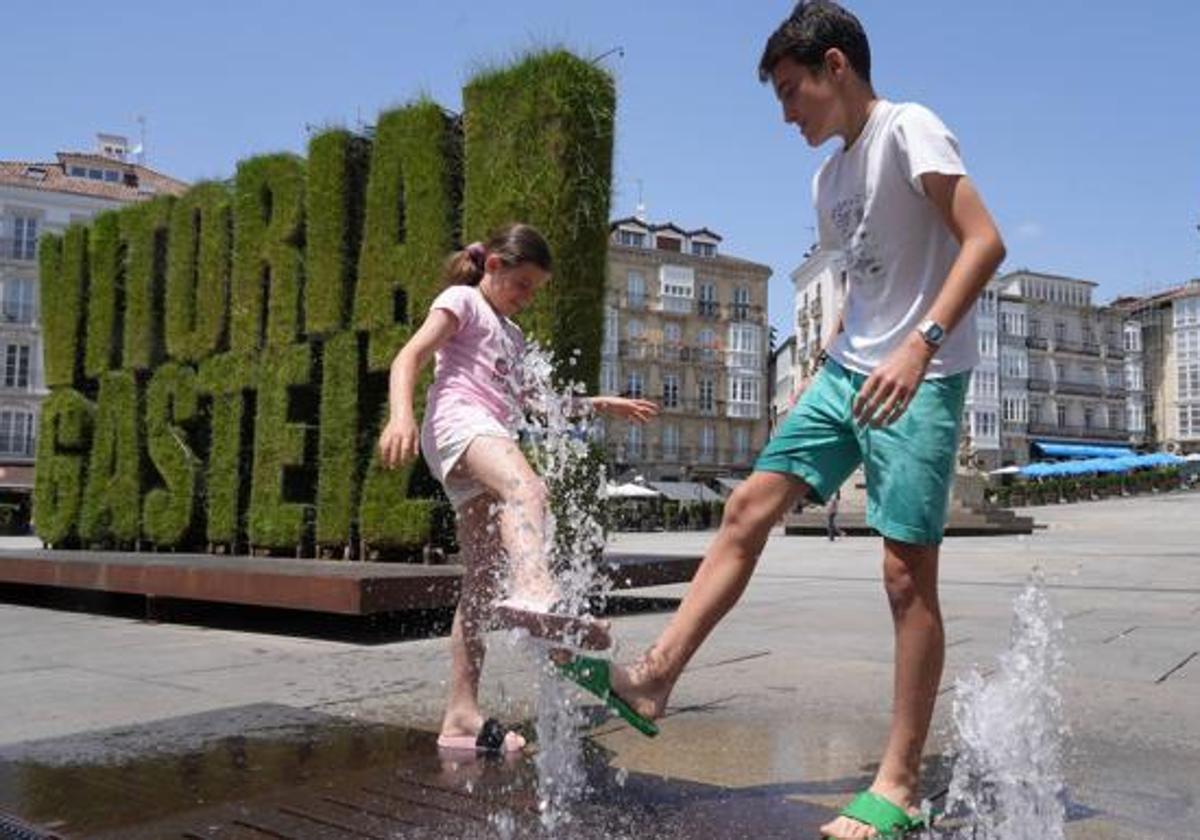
{"x": 935, "y": 333}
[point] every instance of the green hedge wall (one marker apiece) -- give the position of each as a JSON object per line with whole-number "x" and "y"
{"x": 411, "y": 221}
{"x": 111, "y": 511}
{"x": 557, "y": 178}
{"x": 144, "y": 231}
{"x": 172, "y": 403}
{"x": 197, "y": 294}
{"x": 337, "y": 175}
{"x": 106, "y": 292}
{"x": 63, "y": 276}
{"x": 237, "y": 338}
{"x": 226, "y": 380}
{"x": 278, "y": 444}
{"x": 268, "y": 257}
{"x": 63, "y": 444}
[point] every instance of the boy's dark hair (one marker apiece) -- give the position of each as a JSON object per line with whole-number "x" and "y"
{"x": 813, "y": 28}
{"x": 513, "y": 243}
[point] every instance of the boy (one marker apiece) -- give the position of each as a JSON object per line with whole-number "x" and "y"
{"x": 919, "y": 246}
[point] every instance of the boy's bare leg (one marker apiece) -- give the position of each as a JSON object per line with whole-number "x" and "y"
{"x": 482, "y": 556}
{"x": 753, "y": 509}
{"x": 910, "y": 578}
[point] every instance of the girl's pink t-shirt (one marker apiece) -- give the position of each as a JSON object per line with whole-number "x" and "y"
{"x": 477, "y": 372}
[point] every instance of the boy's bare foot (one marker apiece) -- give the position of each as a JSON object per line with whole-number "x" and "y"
{"x": 641, "y": 686}
{"x": 845, "y": 828}
{"x": 460, "y": 731}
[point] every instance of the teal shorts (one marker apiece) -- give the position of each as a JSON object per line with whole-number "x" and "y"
{"x": 909, "y": 465}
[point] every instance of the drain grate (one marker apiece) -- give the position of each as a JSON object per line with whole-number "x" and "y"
{"x": 12, "y": 828}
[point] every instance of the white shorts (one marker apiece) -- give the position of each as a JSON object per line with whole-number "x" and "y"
{"x": 442, "y": 457}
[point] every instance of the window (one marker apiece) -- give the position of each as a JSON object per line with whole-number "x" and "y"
{"x": 1133, "y": 337}
{"x": 1187, "y": 312}
{"x": 16, "y": 366}
{"x": 1189, "y": 381}
{"x": 1035, "y": 328}
{"x": 741, "y": 445}
{"x": 741, "y": 304}
{"x": 96, "y": 174}
{"x": 17, "y": 304}
{"x": 17, "y": 433}
{"x": 670, "y": 394}
{"x": 707, "y": 297}
{"x": 24, "y": 238}
{"x": 669, "y": 243}
{"x": 1035, "y": 413}
{"x": 707, "y": 396}
{"x": 635, "y": 384}
{"x": 78, "y": 172}
{"x": 112, "y": 176}
{"x": 1134, "y": 418}
{"x": 706, "y": 339}
{"x": 670, "y": 442}
{"x": 608, "y": 378}
{"x": 1089, "y": 418}
{"x": 672, "y": 334}
{"x": 745, "y": 341}
{"x": 633, "y": 442}
{"x": 1061, "y": 415}
{"x": 635, "y": 290}
{"x": 704, "y": 249}
{"x": 633, "y": 330}
{"x": 1060, "y": 331}
{"x": 743, "y": 397}
{"x": 708, "y": 443}
{"x": 1133, "y": 377}
{"x": 678, "y": 288}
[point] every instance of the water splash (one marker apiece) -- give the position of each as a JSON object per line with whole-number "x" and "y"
{"x": 558, "y": 433}
{"x": 1007, "y": 782}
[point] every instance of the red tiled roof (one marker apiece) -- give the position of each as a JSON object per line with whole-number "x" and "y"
{"x": 53, "y": 177}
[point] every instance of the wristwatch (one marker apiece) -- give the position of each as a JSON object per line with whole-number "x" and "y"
{"x": 933, "y": 332}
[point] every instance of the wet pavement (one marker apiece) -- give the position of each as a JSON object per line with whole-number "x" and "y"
{"x": 337, "y": 780}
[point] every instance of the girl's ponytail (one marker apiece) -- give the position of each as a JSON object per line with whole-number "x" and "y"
{"x": 465, "y": 267}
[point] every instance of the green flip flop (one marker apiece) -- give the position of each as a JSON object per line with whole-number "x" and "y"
{"x": 594, "y": 675}
{"x": 890, "y": 821}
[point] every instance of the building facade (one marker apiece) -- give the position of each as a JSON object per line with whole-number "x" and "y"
{"x": 783, "y": 381}
{"x": 686, "y": 326}
{"x": 36, "y": 198}
{"x": 1164, "y": 329}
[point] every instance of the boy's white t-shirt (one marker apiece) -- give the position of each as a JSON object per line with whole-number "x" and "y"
{"x": 897, "y": 250}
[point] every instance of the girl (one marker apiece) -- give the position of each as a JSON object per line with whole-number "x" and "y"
{"x": 468, "y": 440}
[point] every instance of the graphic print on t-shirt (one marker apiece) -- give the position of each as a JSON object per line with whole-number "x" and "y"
{"x": 849, "y": 219}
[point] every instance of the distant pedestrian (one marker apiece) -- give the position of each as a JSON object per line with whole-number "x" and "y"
{"x": 831, "y": 512}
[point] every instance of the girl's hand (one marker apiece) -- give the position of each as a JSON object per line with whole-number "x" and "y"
{"x": 398, "y": 443}
{"x": 639, "y": 411}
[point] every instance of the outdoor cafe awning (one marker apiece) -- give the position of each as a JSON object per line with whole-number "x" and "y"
{"x": 1050, "y": 469}
{"x": 685, "y": 491}
{"x": 1050, "y": 449}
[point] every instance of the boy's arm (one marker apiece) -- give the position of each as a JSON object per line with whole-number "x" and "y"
{"x": 886, "y": 393}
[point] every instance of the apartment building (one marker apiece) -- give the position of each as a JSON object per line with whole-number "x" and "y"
{"x": 685, "y": 325}
{"x": 1164, "y": 331}
{"x": 36, "y": 197}
{"x": 1076, "y": 386}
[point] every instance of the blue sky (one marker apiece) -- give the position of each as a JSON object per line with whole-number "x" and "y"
{"x": 1078, "y": 120}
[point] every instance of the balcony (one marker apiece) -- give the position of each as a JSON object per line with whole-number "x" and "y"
{"x": 1039, "y": 385}
{"x": 17, "y": 313}
{"x": 746, "y": 312}
{"x": 674, "y": 305}
{"x": 1077, "y": 432}
{"x": 636, "y": 349}
{"x": 1079, "y": 389}
{"x": 708, "y": 309}
{"x": 1036, "y": 343}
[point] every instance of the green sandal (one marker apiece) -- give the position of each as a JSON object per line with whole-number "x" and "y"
{"x": 889, "y": 820}
{"x": 593, "y": 675}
